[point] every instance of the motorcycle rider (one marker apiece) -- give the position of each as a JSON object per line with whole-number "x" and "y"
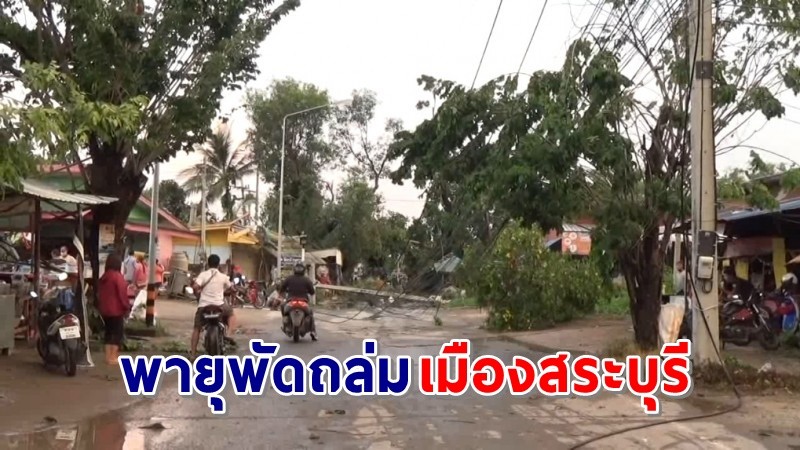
{"x": 298, "y": 286}
{"x": 211, "y": 286}
{"x": 739, "y": 286}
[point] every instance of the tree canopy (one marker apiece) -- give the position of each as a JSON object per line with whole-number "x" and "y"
{"x": 172, "y": 197}
{"x": 588, "y": 139}
{"x": 170, "y": 62}
{"x": 306, "y": 150}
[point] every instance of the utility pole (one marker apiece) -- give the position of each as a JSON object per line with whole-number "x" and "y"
{"x": 152, "y": 248}
{"x": 704, "y": 195}
{"x": 203, "y": 257}
{"x": 258, "y": 181}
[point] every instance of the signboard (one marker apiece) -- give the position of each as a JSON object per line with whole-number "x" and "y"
{"x": 290, "y": 260}
{"x": 106, "y": 234}
{"x": 576, "y": 243}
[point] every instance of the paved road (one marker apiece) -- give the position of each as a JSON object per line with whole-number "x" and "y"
{"x": 414, "y": 421}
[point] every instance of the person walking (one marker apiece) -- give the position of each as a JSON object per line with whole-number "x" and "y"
{"x": 113, "y": 305}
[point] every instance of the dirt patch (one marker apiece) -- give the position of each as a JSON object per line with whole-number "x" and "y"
{"x": 32, "y": 396}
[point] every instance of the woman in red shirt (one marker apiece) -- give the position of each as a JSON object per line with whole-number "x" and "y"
{"x": 114, "y": 306}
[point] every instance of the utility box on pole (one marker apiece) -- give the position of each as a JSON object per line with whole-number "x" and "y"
{"x": 705, "y": 277}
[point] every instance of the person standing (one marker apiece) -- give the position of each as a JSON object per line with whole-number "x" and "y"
{"x": 113, "y": 305}
{"x": 159, "y": 274}
{"x": 680, "y": 278}
{"x": 129, "y": 269}
{"x": 140, "y": 277}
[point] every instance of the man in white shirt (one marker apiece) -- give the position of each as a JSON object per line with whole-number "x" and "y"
{"x": 72, "y": 263}
{"x": 129, "y": 267}
{"x": 211, "y": 286}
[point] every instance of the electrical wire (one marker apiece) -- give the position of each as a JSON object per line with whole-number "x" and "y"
{"x": 535, "y": 28}
{"x": 690, "y": 281}
{"x": 486, "y": 47}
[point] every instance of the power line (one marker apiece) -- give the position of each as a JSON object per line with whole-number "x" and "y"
{"x": 486, "y": 47}
{"x": 535, "y": 28}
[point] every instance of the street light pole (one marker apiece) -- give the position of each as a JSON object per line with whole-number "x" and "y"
{"x": 280, "y": 188}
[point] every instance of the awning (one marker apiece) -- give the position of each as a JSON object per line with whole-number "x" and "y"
{"x": 329, "y": 253}
{"x": 18, "y": 206}
{"x": 41, "y": 190}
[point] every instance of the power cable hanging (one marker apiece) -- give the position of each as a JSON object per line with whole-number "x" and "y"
{"x": 535, "y": 28}
{"x": 486, "y": 47}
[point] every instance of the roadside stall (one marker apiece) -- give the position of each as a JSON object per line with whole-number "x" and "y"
{"x": 24, "y": 210}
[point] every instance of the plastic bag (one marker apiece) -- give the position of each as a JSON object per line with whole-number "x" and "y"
{"x": 139, "y": 309}
{"x": 670, "y": 319}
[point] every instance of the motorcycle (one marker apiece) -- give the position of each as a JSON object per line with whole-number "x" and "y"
{"x": 297, "y": 318}
{"x": 59, "y": 331}
{"x": 213, "y": 329}
{"x": 257, "y": 294}
{"x": 744, "y": 320}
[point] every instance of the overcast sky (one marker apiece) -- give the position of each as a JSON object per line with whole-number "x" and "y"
{"x": 384, "y": 45}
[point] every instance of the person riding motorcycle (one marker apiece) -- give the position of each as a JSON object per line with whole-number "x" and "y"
{"x": 738, "y": 286}
{"x": 298, "y": 286}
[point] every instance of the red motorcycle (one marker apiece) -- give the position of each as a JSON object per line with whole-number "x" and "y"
{"x": 743, "y": 320}
{"x": 250, "y": 293}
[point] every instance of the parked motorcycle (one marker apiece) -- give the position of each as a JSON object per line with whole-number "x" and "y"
{"x": 213, "y": 329}
{"x": 745, "y": 320}
{"x": 257, "y": 293}
{"x": 297, "y": 318}
{"x": 783, "y": 306}
{"x": 59, "y": 340}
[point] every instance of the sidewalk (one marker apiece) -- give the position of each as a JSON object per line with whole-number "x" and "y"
{"x": 595, "y": 335}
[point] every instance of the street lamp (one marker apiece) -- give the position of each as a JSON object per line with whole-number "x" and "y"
{"x": 303, "y": 242}
{"x": 283, "y": 158}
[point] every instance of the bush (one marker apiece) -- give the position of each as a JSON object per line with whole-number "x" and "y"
{"x": 526, "y": 286}
{"x": 616, "y": 302}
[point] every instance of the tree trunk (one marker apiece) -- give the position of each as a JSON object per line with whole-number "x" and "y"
{"x": 126, "y": 187}
{"x": 642, "y": 268}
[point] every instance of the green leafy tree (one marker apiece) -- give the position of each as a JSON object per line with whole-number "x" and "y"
{"x": 307, "y": 153}
{"x": 752, "y": 184}
{"x": 360, "y": 153}
{"x": 525, "y": 285}
{"x": 54, "y": 131}
{"x": 224, "y": 163}
{"x": 172, "y": 197}
{"x": 358, "y": 229}
{"x": 178, "y": 56}
{"x": 587, "y": 138}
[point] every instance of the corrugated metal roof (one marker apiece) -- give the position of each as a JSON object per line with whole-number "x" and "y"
{"x": 552, "y": 242}
{"x": 41, "y": 190}
{"x": 732, "y": 216}
{"x": 568, "y": 227}
{"x": 449, "y": 264}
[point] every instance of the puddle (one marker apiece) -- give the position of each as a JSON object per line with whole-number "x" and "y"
{"x": 108, "y": 432}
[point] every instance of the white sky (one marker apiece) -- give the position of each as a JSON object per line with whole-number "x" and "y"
{"x": 384, "y": 45}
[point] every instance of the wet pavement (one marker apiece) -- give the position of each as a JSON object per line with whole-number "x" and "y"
{"x": 413, "y": 421}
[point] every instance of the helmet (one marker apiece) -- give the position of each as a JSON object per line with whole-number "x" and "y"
{"x": 788, "y": 281}
{"x": 299, "y": 269}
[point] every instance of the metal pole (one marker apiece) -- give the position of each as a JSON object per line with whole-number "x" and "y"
{"x": 258, "y": 181}
{"x": 280, "y": 201}
{"x": 704, "y": 208}
{"x": 203, "y": 257}
{"x": 283, "y": 158}
{"x": 152, "y": 249}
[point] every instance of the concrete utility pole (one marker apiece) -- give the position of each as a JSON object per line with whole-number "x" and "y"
{"x": 704, "y": 195}
{"x": 203, "y": 256}
{"x": 258, "y": 181}
{"x": 152, "y": 249}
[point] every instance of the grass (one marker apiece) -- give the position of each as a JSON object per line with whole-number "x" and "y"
{"x": 616, "y": 305}
{"x": 465, "y": 301}
{"x": 134, "y": 326}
